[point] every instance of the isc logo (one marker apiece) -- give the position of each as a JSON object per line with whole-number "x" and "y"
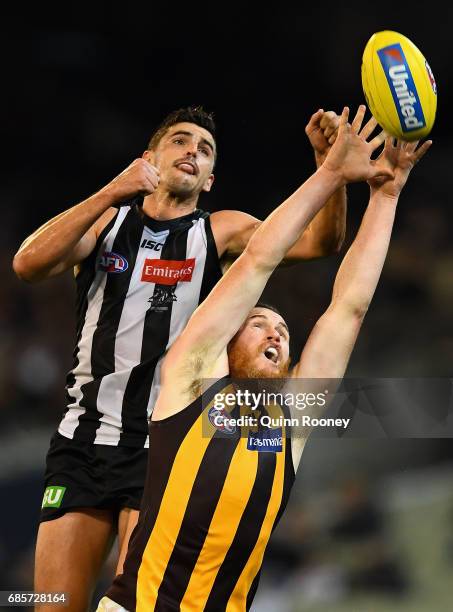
{"x": 151, "y": 244}
{"x": 112, "y": 262}
{"x": 402, "y": 86}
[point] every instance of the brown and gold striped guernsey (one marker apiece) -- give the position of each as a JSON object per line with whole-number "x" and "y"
{"x": 210, "y": 504}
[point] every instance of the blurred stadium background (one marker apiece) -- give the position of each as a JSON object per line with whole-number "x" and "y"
{"x": 370, "y": 523}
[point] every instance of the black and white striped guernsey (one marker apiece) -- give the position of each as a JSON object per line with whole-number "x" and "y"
{"x": 135, "y": 294}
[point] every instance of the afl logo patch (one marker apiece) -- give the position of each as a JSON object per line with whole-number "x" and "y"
{"x": 220, "y": 419}
{"x": 112, "y": 262}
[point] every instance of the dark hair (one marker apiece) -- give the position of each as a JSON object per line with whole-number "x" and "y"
{"x": 191, "y": 114}
{"x": 269, "y": 307}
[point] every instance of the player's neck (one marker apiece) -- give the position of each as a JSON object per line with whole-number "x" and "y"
{"x": 163, "y": 206}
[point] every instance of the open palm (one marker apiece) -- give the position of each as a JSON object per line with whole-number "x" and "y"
{"x": 399, "y": 159}
{"x": 351, "y": 153}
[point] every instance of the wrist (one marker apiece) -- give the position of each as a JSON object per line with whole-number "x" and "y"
{"x": 320, "y": 158}
{"x": 377, "y": 194}
{"x": 110, "y": 195}
{"x": 332, "y": 176}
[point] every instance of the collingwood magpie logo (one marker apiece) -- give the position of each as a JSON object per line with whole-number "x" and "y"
{"x": 162, "y": 297}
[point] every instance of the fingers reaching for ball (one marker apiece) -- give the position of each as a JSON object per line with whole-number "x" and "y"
{"x": 358, "y": 119}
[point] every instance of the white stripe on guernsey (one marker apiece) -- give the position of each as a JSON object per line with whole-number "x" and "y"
{"x": 95, "y": 297}
{"x": 188, "y": 295}
{"x": 128, "y": 343}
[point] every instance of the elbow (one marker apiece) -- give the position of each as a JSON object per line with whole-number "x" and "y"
{"x": 351, "y": 308}
{"x": 358, "y": 310}
{"x": 22, "y": 269}
{"x": 257, "y": 259}
{"x": 18, "y": 267}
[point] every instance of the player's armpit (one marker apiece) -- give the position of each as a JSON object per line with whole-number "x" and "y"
{"x": 219, "y": 317}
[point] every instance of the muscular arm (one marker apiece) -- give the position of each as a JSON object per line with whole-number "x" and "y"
{"x": 202, "y": 345}
{"x": 329, "y": 346}
{"x": 68, "y": 238}
{"x": 203, "y": 342}
{"x": 325, "y": 233}
{"x": 62, "y": 242}
{"x": 324, "y": 236}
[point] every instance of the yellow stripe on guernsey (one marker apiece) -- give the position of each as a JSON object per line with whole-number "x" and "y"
{"x": 239, "y": 595}
{"x": 224, "y": 524}
{"x": 171, "y": 513}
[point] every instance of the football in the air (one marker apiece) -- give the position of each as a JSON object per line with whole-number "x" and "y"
{"x": 399, "y": 86}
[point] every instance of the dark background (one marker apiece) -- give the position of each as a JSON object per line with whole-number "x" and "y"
{"x": 81, "y": 93}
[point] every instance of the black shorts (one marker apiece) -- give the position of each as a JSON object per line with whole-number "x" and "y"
{"x": 86, "y": 475}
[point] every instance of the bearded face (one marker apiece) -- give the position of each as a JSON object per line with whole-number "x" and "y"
{"x": 260, "y": 349}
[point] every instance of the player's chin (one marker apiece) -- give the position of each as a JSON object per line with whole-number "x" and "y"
{"x": 183, "y": 184}
{"x": 182, "y": 188}
{"x": 268, "y": 369}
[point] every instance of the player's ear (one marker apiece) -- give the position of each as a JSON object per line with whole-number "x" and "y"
{"x": 208, "y": 184}
{"x": 149, "y": 156}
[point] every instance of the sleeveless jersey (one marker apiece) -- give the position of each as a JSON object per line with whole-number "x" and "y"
{"x": 135, "y": 294}
{"x": 213, "y": 495}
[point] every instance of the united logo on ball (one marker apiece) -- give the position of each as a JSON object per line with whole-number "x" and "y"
{"x": 399, "y": 86}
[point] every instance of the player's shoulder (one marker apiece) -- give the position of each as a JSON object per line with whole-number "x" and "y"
{"x": 106, "y": 217}
{"x": 229, "y": 228}
{"x": 231, "y": 216}
{"x": 232, "y": 220}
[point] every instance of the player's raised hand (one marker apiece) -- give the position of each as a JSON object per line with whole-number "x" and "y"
{"x": 350, "y": 155}
{"x": 322, "y": 131}
{"x": 399, "y": 158}
{"x": 139, "y": 178}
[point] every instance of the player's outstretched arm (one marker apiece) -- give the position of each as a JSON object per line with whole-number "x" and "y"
{"x": 219, "y": 317}
{"x": 68, "y": 238}
{"x": 327, "y": 351}
{"x": 325, "y": 233}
